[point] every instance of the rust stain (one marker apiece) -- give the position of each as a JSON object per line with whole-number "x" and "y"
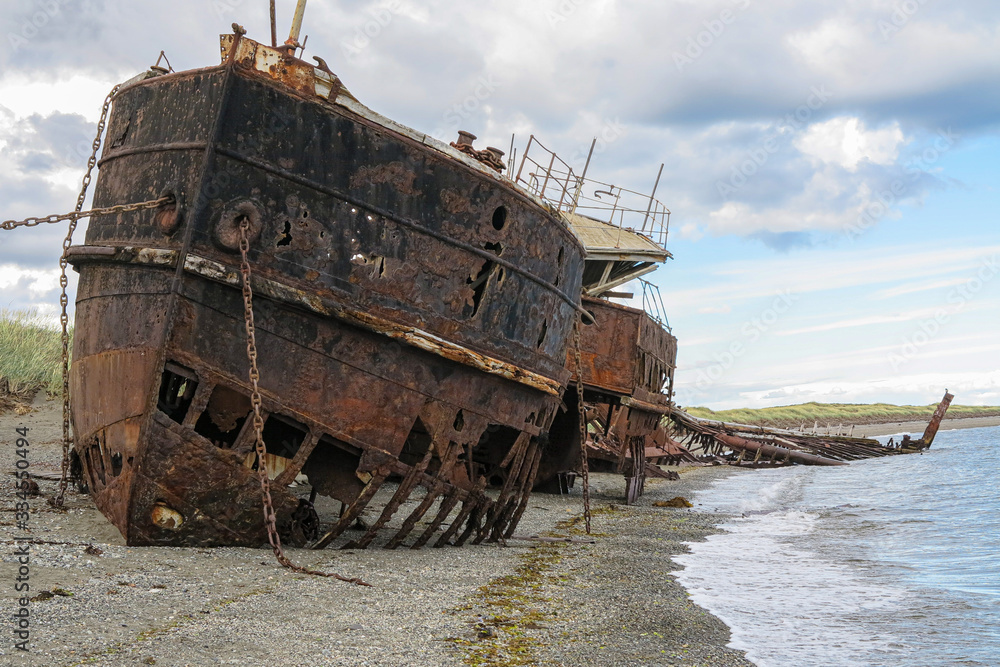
{"x": 395, "y": 174}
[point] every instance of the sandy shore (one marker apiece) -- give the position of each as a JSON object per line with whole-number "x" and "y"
{"x": 917, "y": 428}
{"x": 612, "y": 602}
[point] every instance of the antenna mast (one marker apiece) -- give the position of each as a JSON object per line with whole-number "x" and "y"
{"x": 293, "y": 35}
{"x": 274, "y": 27}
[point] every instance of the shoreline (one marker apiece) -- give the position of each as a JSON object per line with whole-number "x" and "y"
{"x": 612, "y": 602}
{"x": 917, "y": 427}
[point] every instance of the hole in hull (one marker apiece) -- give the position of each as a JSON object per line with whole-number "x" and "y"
{"x": 224, "y": 416}
{"x": 177, "y": 385}
{"x": 493, "y": 445}
{"x": 286, "y": 235}
{"x": 332, "y": 469}
{"x": 416, "y": 445}
{"x": 478, "y": 284}
{"x": 541, "y": 337}
{"x": 282, "y": 437}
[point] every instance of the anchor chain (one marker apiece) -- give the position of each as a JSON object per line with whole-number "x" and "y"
{"x": 581, "y": 411}
{"x": 74, "y": 216}
{"x": 64, "y": 300}
{"x": 270, "y": 520}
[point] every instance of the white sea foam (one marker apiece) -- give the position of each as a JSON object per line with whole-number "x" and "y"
{"x": 754, "y": 572}
{"x": 886, "y": 562}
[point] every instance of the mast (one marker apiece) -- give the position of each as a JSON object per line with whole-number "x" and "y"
{"x": 274, "y": 27}
{"x": 583, "y": 177}
{"x": 293, "y": 35}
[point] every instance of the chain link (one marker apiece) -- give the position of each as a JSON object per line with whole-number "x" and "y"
{"x": 270, "y": 520}
{"x": 77, "y": 214}
{"x": 64, "y": 299}
{"x": 74, "y": 216}
{"x": 581, "y": 410}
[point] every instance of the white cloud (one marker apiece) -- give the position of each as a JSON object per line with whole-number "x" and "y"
{"x": 973, "y": 388}
{"x": 828, "y": 45}
{"x": 900, "y": 290}
{"x": 867, "y": 321}
{"x": 562, "y": 81}
{"x": 846, "y": 142}
{"x": 77, "y": 93}
{"x": 822, "y": 271}
{"x": 36, "y": 281}
{"x": 690, "y": 231}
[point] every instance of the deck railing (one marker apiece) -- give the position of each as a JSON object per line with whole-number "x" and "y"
{"x": 549, "y": 177}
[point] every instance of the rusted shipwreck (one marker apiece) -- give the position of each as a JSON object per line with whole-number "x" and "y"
{"x": 627, "y": 355}
{"x": 758, "y": 446}
{"x": 413, "y": 308}
{"x": 413, "y": 311}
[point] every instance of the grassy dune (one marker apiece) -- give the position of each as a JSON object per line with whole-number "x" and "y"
{"x": 789, "y": 416}
{"x": 30, "y": 355}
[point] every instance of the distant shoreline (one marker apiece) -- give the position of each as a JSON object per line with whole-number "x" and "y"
{"x": 892, "y": 428}
{"x": 866, "y": 420}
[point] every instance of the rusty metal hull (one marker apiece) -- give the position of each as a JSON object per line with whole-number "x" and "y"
{"x": 412, "y": 317}
{"x": 628, "y": 362}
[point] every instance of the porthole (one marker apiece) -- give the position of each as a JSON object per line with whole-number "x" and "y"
{"x": 499, "y": 217}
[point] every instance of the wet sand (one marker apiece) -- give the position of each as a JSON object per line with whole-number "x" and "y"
{"x": 613, "y": 602}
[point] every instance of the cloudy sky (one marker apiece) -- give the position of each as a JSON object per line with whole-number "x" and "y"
{"x": 831, "y": 167}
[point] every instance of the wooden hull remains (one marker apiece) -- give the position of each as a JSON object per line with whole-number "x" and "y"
{"x": 413, "y": 310}
{"x": 758, "y": 445}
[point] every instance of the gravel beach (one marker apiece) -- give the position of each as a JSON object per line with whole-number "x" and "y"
{"x": 612, "y": 602}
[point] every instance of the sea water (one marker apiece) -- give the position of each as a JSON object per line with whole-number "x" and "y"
{"x": 892, "y": 561}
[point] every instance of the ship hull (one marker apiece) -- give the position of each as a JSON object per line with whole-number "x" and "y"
{"x": 627, "y": 363}
{"x": 410, "y": 323}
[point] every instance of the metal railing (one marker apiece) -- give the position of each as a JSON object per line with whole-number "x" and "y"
{"x": 550, "y": 178}
{"x": 652, "y": 303}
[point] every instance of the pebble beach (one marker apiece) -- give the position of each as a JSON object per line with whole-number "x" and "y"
{"x": 526, "y": 602}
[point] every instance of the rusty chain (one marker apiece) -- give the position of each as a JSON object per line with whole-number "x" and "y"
{"x": 581, "y": 411}
{"x": 270, "y": 520}
{"x": 74, "y": 216}
{"x": 77, "y": 214}
{"x": 64, "y": 299}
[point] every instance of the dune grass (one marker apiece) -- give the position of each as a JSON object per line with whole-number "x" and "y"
{"x": 839, "y": 413}
{"x": 30, "y": 354}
